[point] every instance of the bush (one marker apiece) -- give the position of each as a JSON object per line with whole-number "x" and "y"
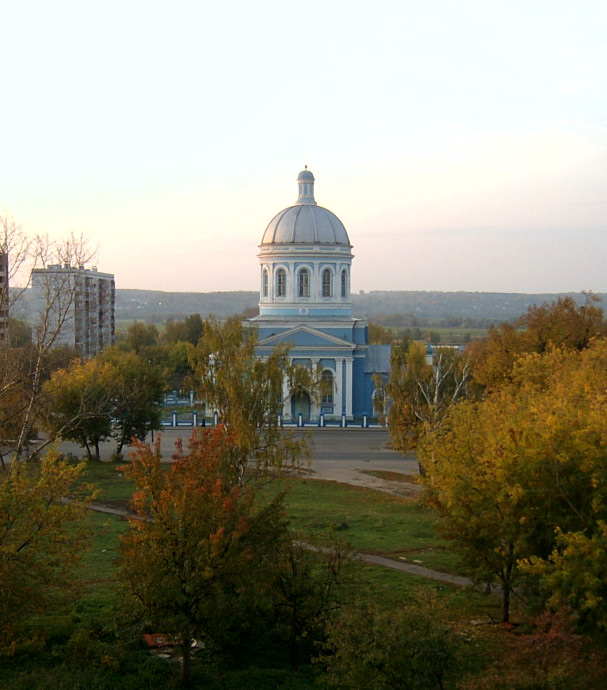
{"x": 404, "y": 648}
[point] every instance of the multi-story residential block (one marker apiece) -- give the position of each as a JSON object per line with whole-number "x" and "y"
{"x": 76, "y": 306}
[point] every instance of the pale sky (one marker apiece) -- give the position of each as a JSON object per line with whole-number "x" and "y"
{"x": 463, "y": 144}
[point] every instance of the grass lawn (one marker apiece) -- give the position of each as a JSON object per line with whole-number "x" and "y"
{"x": 370, "y": 521}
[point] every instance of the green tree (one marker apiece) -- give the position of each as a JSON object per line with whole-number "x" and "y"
{"x": 306, "y": 589}
{"x": 405, "y": 648}
{"x": 41, "y": 537}
{"x": 140, "y": 336}
{"x": 136, "y": 387}
{"x": 188, "y": 331}
{"x": 246, "y": 391}
{"x": 195, "y": 554}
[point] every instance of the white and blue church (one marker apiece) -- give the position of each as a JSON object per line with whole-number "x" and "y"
{"x": 305, "y": 260}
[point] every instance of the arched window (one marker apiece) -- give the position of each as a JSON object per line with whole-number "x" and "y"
{"x": 281, "y": 283}
{"x": 326, "y": 283}
{"x": 304, "y": 283}
{"x": 264, "y": 283}
{"x": 344, "y": 283}
{"x": 326, "y": 386}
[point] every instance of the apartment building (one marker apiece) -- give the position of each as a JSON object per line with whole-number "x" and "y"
{"x": 76, "y": 305}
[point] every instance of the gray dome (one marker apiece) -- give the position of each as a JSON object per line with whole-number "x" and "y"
{"x": 306, "y": 224}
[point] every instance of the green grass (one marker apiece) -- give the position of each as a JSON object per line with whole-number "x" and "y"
{"x": 109, "y": 479}
{"x": 370, "y": 521}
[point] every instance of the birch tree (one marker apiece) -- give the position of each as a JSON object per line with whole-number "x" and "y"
{"x": 24, "y": 369}
{"x": 421, "y": 393}
{"x": 247, "y": 391}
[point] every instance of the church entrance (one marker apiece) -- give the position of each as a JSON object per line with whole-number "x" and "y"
{"x": 300, "y": 404}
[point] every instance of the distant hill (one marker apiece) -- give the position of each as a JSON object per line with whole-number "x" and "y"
{"x": 397, "y": 308}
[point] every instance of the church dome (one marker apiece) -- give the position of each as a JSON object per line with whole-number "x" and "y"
{"x": 306, "y": 222}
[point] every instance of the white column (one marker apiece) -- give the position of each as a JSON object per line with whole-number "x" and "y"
{"x": 339, "y": 398}
{"x": 349, "y": 386}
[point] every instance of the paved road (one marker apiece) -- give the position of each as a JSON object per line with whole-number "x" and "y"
{"x": 343, "y": 455}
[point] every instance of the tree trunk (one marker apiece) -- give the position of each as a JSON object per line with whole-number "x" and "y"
{"x": 505, "y": 603}
{"x": 186, "y": 666}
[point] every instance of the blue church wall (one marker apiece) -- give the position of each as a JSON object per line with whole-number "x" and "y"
{"x": 358, "y": 396}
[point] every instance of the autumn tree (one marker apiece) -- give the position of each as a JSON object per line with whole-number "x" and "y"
{"x": 520, "y": 473}
{"x": 561, "y": 324}
{"x": 41, "y": 537}
{"x": 421, "y": 392}
{"x": 200, "y": 544}
{"x": 79, "y": 403}
{"x": 247, "y": 391}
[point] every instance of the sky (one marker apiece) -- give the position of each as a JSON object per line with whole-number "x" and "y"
{"x": 463, "y": 144}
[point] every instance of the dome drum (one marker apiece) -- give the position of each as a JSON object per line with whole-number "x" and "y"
{"x": 305, "y": 256}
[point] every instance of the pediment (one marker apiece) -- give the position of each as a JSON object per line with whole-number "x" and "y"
{"x": 304, "y": 336}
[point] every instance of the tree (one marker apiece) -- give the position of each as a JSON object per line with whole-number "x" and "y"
{"x": 41, "y": 537}
{"x": 305, "y": 581}
{"x": 421, "y": 393}
{"x": 79, "y": 403}
{"x": 24, "y": 368}
{"x": 195, "y": 553}
{"x": 188, "y": 331}
{"x": 140, "y": 336}
{"x": 559, "y": 324}
{"x": 527, "y": 463}
{"x": 247, "y": 391}
{"x": 136, "y": 393}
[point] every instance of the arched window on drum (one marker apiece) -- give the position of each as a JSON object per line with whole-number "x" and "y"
{"x": 281, "y": 283}
{"x": 327, "y": 287}
{"x": 304, "y": 283}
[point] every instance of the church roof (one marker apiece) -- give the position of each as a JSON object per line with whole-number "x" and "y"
{"x": 305, "y": 222}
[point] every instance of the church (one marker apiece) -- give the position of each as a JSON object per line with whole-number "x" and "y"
{"x": 305, "y": 260}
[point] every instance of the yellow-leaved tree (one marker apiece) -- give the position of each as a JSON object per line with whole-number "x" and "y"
{"x": 515, "y": 473}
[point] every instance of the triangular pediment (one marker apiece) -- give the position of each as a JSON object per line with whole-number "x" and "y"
{"x": 304, "y": 336}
